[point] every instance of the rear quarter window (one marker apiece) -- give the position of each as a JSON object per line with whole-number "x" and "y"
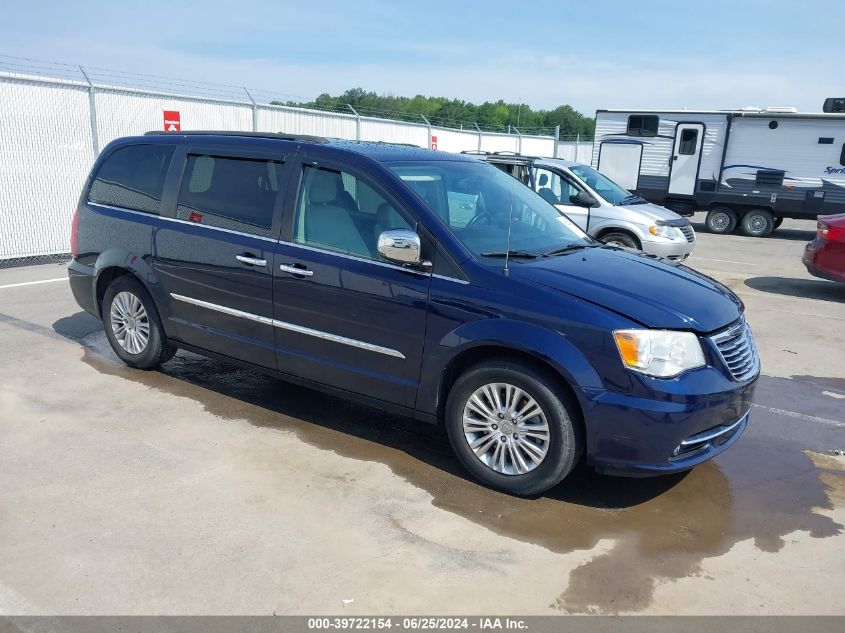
{"x": 133, "y": 178}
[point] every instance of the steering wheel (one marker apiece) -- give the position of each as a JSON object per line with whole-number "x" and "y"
{"x": 484, "y": 215}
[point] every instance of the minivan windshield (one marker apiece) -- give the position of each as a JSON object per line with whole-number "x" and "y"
{"x": 604, "y": 186}
{"x": 477, "y": 202}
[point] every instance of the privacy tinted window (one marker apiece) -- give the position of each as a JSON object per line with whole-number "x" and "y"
{"x": 689, "y": 139}
{"x": 643, "y": 124}
{"x": 339, "y": 212}
{"x": 238, "y": 194}
{"x": 133, "y": 177}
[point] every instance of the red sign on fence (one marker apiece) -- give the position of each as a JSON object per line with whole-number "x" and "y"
{"x": 172, "y": 122}
{"x": 433, "y": 142}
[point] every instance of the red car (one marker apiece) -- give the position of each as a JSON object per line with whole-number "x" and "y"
{"x": 825, "y": 256}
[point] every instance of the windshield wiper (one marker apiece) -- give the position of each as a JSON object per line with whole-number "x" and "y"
{"x": 633, "y": 200}
{"x": 514, "y": 254}
{"x": 575, "y": 246}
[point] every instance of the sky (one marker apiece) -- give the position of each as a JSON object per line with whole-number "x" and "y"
{"x": 589, "y": 54}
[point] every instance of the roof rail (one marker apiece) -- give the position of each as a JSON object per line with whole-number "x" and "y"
{"x": 284, "y": 136}
{"x": 477, "y": 152}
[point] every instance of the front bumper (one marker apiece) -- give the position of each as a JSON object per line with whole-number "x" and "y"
{"x": 695, "y": 419}
{"x": 676, "y": 249}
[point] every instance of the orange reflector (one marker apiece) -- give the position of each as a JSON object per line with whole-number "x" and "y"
{"x": 628, "y": 348}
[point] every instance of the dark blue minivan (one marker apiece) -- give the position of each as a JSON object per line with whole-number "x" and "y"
{"x": 428, "y": 283}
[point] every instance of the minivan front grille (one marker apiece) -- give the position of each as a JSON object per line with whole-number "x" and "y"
{"x": 688, "y": 232}
{"x": 738, "y": 351}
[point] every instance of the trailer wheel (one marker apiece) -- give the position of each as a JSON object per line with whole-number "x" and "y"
{"x": 720, "y": 220}
{"x": 758, "y": 223}
{"x": 778, "y": 222}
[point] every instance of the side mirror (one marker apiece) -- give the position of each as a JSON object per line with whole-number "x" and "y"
{"x": 583, "y": 199}
{"x": 400, "y": 246}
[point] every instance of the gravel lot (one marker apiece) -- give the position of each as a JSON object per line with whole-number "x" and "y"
{"x": 209, "y": 489}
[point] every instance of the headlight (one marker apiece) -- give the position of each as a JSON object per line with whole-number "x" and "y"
{"x": 663, "y": 231}
{"x": 659, "y": 353}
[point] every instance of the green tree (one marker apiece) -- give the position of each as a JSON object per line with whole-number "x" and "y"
{"x": 490, "y": 116}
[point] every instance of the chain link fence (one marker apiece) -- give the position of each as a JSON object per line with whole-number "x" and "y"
{"x": 56, "y": 118}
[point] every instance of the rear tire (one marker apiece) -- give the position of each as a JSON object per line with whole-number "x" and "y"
{"x": 132, "y": 325}
{"x": 618, "y": 238}
{"x": 758, "y": 223}
{"x": 721, "y": 220}
{"x": 509, "y": 392}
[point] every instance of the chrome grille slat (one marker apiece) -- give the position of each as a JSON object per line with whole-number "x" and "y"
{"x": 689, "y": 234}
{"x": 738, "y": 351}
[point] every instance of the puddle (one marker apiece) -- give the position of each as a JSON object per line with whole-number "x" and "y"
{"x": 762, "y": 489}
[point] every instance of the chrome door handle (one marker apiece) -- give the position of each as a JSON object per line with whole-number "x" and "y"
{"x": 252, "y": 261}
{"x": 294, "y": 270}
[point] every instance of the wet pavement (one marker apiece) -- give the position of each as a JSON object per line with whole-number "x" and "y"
{"x": 323, "y": 497}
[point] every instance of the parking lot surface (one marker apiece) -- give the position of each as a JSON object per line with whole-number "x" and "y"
{"x": 205, "y": 488}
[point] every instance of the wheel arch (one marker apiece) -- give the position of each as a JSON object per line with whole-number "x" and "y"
{"x": 115, "y": 263}
{"x": 620, "y": 228}
{"x": 550, "y": 351}
{"x": 484, "y": 352}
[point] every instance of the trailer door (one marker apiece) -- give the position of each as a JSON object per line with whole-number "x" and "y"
{"x": 685, "y": 158}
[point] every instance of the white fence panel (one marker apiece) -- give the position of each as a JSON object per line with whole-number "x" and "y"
{"x": 393, "y": 132}
{"x": 455, "y": 140}
{"x": 46, "y": 151}
{"x": 538, "y": 146}
{"x": 47, "y": 146}
{"x": 580, "y": 152}
{"x": 299, "y": 121}
{"x": 500, "y": 143}
{"x": 128, "y": 113}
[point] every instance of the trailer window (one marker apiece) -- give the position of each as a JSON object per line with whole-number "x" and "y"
{"x": 689, "y": 139}
{"x": 643, "y": 124}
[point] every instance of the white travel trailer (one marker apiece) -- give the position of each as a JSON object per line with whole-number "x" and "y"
{"x": 748, "y": 167}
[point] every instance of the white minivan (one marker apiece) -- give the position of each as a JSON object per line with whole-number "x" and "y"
{"x": 602, "y": 208}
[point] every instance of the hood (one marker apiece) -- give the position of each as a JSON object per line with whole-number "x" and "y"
{"x": 646, "y": 290}
{"x": 654, "y": 212}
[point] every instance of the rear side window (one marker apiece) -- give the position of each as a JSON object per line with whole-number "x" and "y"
{"x": 643, "y": 124}
{"x": 842, "y": 155}
{"x": 133, "y": 178}
{"x": 237, "y": 194}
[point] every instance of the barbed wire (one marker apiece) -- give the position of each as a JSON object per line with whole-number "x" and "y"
{"x": 117, "y": 79}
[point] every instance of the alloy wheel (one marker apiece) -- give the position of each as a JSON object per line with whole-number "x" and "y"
{"x": 506, "y": 429}
{"x": 130, "y": 323}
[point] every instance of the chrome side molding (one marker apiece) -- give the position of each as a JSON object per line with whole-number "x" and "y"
{"x": 293, "y": 327}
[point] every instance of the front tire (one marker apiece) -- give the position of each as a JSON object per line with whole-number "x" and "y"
{"x": 720, "y": 220}
{"x": 618, "y": 238}
{"x": 132, "y": 325}
{"x": 513, "y": 428}
{"x": 758, "y": 223}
